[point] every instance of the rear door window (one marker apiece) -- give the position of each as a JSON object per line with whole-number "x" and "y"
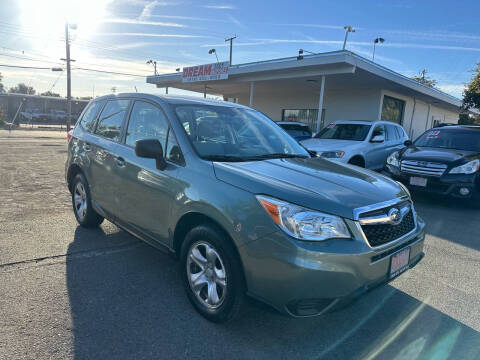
{"x": 110, "y": 121}
{"x": 90, "y": 114}
{"x": 391, "y": 133}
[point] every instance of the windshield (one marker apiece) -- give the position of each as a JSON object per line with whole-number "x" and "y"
{"x": 459, "y": 139}
{"x": 355, "y": 132}
{"x": 297, "y": 130}
{"x": 221, "y": 133}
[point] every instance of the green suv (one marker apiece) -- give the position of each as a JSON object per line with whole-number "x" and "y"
{"x": 243, "y": 206}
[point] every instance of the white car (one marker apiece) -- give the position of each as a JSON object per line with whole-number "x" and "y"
{"x": 362, "y": 143}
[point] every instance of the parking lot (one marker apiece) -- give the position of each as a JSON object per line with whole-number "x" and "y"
{"x": 68, "y": 292}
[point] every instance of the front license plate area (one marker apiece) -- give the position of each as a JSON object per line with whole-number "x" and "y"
{"x": 399, "y": 262}
{"x": 418, "y": 181}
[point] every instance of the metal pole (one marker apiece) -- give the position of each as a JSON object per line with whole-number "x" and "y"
{"x": 251, "y": 94}
{"x": 373, "y": 57}
{"x": 231, "y": 46}
{"x": 69, "y": 81}
{"x": 205, "y": 91}
{"x": 320, "y": 104}
{"x": 345, "y": 40}
{"x": 166, "y": 90}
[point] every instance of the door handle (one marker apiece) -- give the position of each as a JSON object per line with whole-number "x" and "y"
{"x": 120, "y": 161}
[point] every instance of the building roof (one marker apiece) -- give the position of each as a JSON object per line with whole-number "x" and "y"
{"x": 336, "y": 62}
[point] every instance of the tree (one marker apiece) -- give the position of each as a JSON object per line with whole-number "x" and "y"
{"x": 22, "y": 89}
{"x": 49, "y": 93}
{"x": 471, "y": 95}
{"x": 424, "y": 79}
{"x": 2, "y": 90}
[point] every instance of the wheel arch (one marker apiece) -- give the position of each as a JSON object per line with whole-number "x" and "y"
{"x": 73, "y": 171}
{"x": 359, "y": 158}
{"x": 192, "y": 219}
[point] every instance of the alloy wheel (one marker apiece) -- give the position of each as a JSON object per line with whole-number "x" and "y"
{"x": 206, "y": 274}
{"x": 80, "y": 201}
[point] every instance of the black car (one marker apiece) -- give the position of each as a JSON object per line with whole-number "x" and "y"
{"x": 443, "y": 160}
{"x": 299, "y": 131}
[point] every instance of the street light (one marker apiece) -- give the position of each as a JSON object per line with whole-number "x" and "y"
{"x": 375, "y": 42}
{"x": 213, "y": 51}
{"x": 348, "y": 29}
{"x": 154, "y": 63}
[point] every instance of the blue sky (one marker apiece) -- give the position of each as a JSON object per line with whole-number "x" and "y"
{"x": 120, "y": 35}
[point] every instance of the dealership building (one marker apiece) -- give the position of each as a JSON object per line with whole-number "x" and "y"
{"x": 322, "y": 88}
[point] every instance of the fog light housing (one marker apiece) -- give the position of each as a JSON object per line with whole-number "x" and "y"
{"x": 464, "y": 191}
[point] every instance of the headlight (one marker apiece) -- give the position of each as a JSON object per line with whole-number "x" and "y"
{"x": 393, "y": 159}
{"x": 302, "y": 223}
{"x": 333, "y": 154}
{"x": 468, "y": 168}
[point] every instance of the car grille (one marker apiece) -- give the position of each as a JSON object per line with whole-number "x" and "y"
{"x": 423, "y": 167}
{"x": 379, "y": 234}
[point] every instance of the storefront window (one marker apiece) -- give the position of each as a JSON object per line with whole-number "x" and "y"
{"x": 392, "y": 109}
{"x": 306, "y": 116}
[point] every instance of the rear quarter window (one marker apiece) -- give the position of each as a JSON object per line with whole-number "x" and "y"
{"x": 90, "y": 114}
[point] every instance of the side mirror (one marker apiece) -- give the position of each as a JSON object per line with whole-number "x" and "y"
{"x": 151, "y": 149}
{"x": 378, "y": 139}
{"x": 408, "y": 143}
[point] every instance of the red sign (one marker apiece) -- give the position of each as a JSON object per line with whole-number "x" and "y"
{"x": 207, "y": 72}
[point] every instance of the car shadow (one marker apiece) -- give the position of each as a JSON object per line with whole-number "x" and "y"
{"x": 462, "y": 215}
{"x": 127, "y": 302}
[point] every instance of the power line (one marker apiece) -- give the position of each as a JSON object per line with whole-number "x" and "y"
{"x": 26, "y": 67}
{"x": 108, "y": 72}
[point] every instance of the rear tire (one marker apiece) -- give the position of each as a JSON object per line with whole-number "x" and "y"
{"x": 82, "y": 203}
{"x": 212, "y": 274}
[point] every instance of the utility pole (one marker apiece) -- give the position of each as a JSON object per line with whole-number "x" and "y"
{"x": 69, "y": 79}
{"x": 231, "y": 46}
{"x": 348, "y": 29}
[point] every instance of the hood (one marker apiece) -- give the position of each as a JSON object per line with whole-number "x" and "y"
{"x": 329, "y": 144}
{"x": 314, "y": 183}
{"x": 445, "y": 156}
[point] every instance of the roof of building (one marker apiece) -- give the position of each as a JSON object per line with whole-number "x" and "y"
{"x": 349, "y": 60}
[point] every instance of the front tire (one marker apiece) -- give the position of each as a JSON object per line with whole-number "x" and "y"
{"x": 82, "y": 203}
{"x": 212, "y": 274}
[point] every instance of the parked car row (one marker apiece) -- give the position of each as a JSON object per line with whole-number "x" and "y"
{"x": 244, "y": 207}
{"x": 444, "y": 160}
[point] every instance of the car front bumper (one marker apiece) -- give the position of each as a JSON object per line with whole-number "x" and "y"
{"x": 307, "y": 278}
{"x": 448, "y": 185}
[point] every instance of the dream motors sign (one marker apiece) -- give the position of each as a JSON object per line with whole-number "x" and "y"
{"x": 207, "y": 72}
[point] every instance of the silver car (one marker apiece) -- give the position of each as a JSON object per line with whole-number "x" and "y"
{"x": 362, "y": 143}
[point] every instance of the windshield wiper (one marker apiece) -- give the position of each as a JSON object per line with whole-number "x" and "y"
{"x": 226, "y": 158}
{"x": 277, "y": 156}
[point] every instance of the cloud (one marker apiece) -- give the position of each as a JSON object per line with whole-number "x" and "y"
{"x": 181, "y": 36}
{"x": 455, "y": 89}
{"x": 193, "y": 18}
{"x": 321, "y": 26}
{"x": 236, "y": 21}
{"x": 142, "y": 22}
{"x": 220, "y": 6}
{"x": 265, "y": 41}
{"x": 147, "y": 10}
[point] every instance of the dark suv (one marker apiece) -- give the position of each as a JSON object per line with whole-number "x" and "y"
{"x": 444, "y": 160}
{"x": 243, "y": 206}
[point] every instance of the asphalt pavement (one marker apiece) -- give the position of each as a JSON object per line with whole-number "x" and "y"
{"x": 67, "y": 292}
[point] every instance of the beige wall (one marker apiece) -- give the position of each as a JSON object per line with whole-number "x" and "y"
{"x": 351, "y": 104}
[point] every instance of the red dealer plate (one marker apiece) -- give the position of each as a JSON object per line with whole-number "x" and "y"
{"x": 399, "y": 262}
